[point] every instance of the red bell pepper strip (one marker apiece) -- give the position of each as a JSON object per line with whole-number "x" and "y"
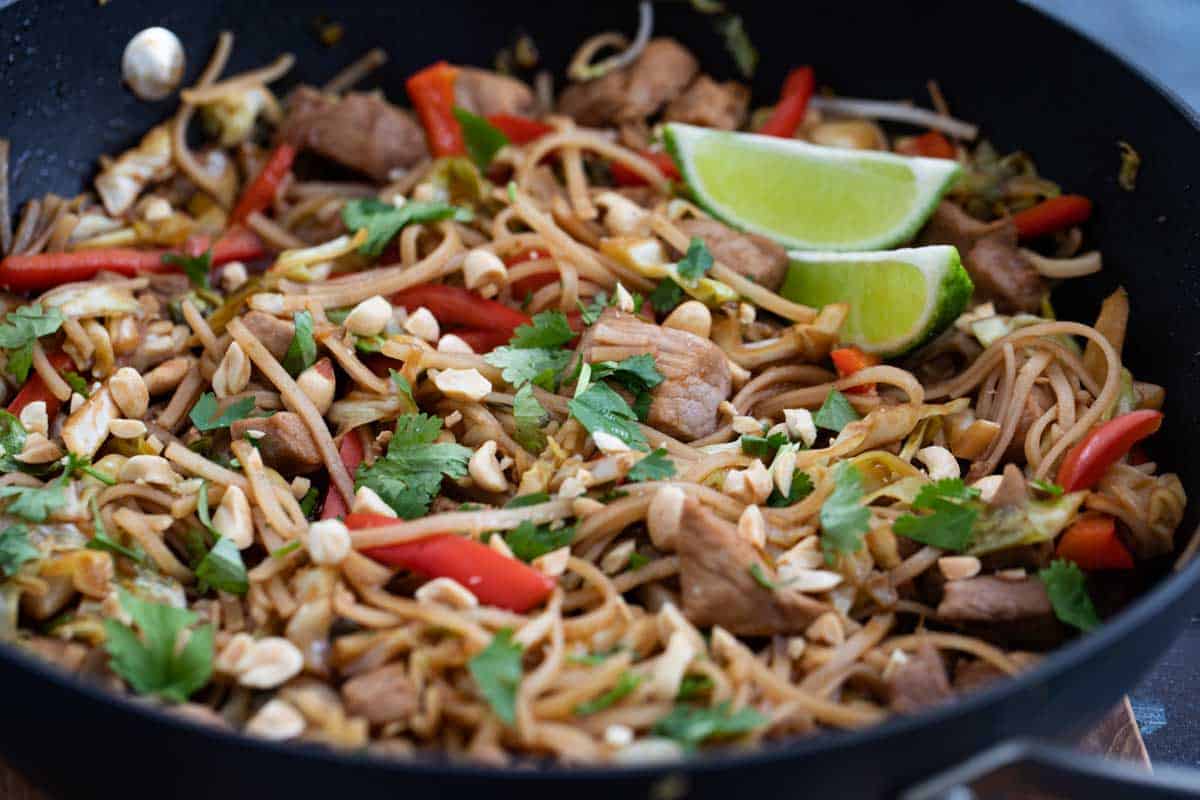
{"x": 496, "y": 579}
{"x": 261, "y": 191}
{"x": 482, "y": 341}
{"x": 1052, "y": 215}
{"x": 351, "y": 452}
{"x": 849, "y": 360}
{"x": 1092, "y": 543}
{"x": 1100, "y": 449}
{"x": 792, "y": 106}
{"x": 930, "y": 145}
{"x": 35, "y": 388}
{"x": 622, "y": 175}
{"x": 519, "y": 130}
{"x": 47, "y": 270}
{"x": 454, "y": 306}
{"x": 432, "y": 94}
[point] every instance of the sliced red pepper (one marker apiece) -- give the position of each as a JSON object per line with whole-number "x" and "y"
{"x": 1093, "y": 544}
{"x": 1104, "y": 446}
{"x": 849, "y": 360}
{"x": 261, "y": 191}
{"x": 454, "y": 306}
{"x": 35, "y": 388}
{"x": 1052, "y": 215}
{"x": 432, "y": 94}
{"x": 351, "y": 452}
{"x": 930, "y": 145}
{"x": 519, "y": 130}
{"x": 793, "y": 104}
{"x": 47, "y": 270}
{"x": 496, "y": 579}
{"x": 622, "y": 175}
{"x": 482, "y": 341}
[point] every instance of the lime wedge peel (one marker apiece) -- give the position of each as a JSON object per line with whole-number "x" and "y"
{"x": 899, "y": 299}
{"x": 807, "y": 196}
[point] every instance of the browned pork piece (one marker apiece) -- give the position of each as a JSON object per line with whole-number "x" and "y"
{"x": 991, "y": 599}
{"x": 719, "y": 587}
{"x": 286, "y": 445}
{"x": 919, "y": 682}
{"x": 382, "y": 695}
{"x": 658, "y": 75}
{"x": 275, "y": 334}
{"x": 362, "y": 131}
{"x": 483, "y": 92}
{"x": 989, "y": 252}
{"x": 758, "y": 258}
{"x": 696, "y": 375}
{"x": 711, "y": 104}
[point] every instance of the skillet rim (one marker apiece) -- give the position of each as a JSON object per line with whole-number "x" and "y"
{"x": 1171, "y": 589}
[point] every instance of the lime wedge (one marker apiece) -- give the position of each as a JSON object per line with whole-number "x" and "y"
{"x": 899, "y": 299}
{"x": 807, "y": 196}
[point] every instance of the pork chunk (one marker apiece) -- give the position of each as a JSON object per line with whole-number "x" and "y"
{"x": 758, "y": 258}
{"x": 382, "y": 695}
{"x": 710, "y": 104}
{"x": 287, "y": 445}
{"x": 695, "y": 372}
{"x": 275, "y": 334}
{"x": 990, "y": 254}
{"x": 990, "y": 599}
{"x": 362, "y": 131}
{"x": 919, "y": 682}
{"x": 719, "y": 588}
{"x": 659, "y": 75}
{"x": 484, "y": 92}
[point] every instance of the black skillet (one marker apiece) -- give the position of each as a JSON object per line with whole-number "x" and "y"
{"x": 1030, "y": 82}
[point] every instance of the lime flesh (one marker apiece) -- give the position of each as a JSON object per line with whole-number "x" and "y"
{"x": 807, "y": 196}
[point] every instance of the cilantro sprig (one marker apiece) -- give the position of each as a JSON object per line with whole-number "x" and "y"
{"x": 1067, "y": 588}
{"x": 197, "y": 268}
{"x": 383, "y": 221}
{"x": 15, "y": 549}
{"x": 835, "y": 413}
{"x": 20, "y": 329}
{"x": 844, "y": 519}
{"x": 150, "y": 656}
{"x": 205, "y": 417}
{"x": 655, "y": 467}
{"x": 302, "y": 351}
{"x": 951, "y": 524}
{"x": 693, "y": 725}
{"x": 409, "y": 476}
{"x": 497, "y": 672}
{"x": 600, "y": 408}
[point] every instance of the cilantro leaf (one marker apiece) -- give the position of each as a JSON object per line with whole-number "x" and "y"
{"x": 693, "y": 687}
{"x": 197, "y": 268}
{"x": 637, "y": 561}
{"x": 222, "y": 569}
{"x": 525, "y": 500}
{"x": 529, "y": 416}
{"x": 1046, "y": 487}
{"x": 844, "y": 519}
{"x": 762, "y": 446}
{"x": 950, "y": 525}
{"x": 548, "y": 329}
{"x": 497, "y": 672}
{"x": 760, "y": 577}
{"x": 403, "y": 388}
{"x": 309, "y": 502}
{"x": 536, "y": 365}
{"x": 1065, "y": 585}
{"x": 655, "y": 467}
{"x": 12, "y": 441}
{"x": 692, "y": 725}
{"x": 835, "y": 413}
{"x": 20, "y": 329}
{"x": 696, "y": 261}
{"x": 625, "y": 684}
{"x": 636, "y": 373}
{"x": 302, "y": 352}
{"x": 801, "y": 488}
{"x": 34, "y": 503}
{"x": 482, "y": 139}
{"x": 599, "y": 408}
{"x": 592, "y": 311}
{"x": 205, "y": 417}
{"x": 101, "y": 541}
{"x": 15, "y": 549}
{"x": 410, "y": 475}
{"x": 383, "y": 221}
{"x": 153, "y": 663}
{"x": 666, "y": 296}
{"x": 528, "y": 541}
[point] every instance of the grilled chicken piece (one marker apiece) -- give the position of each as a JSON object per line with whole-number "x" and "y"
{"x": 484, "y": 92}
{"x": 711, "y": 104}
{"x": 758, "y": 258}
{"x": 287, "y": 445}
{"x": 362, "y": 131}
{"x": 658, "y": 76}
{"x": 695, "y": 371}
{"x": 275, "y": 334}
{"x": 719, "y": 588}
{"x": 382, "y": 695}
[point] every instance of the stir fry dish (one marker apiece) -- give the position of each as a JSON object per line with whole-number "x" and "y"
{"x": 599, "y": 424}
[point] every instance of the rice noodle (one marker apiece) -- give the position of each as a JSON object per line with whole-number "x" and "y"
{"x": 580, "y": 68}
{"x": 896, "y": 112}
{"x": 356, "y": 71}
